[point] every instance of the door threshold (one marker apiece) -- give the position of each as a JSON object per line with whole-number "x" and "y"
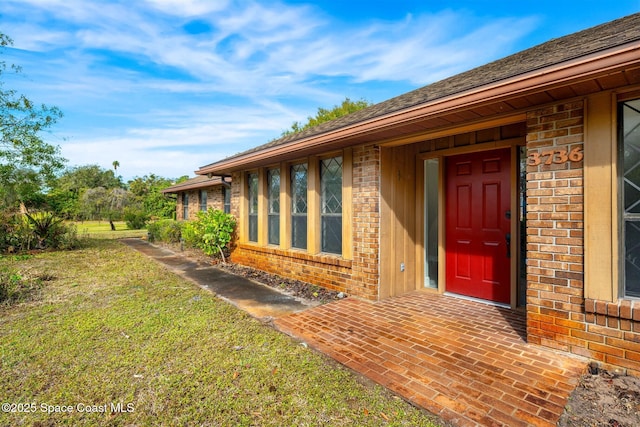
{"x": 483, "y": 301}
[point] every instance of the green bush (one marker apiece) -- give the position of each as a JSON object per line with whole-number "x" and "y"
{"x": 165, "y": 230}
{"x": 212, "y": 231}
{"x": 136, "y": 219}
{"x": 191, "y": 234}
{"x": 39, "y": 230}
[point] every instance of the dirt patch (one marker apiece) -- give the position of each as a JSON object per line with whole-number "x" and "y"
{"x": 602, "y": 399}
{"x": 293, "y": 287}
{"x": 290, "y": 286}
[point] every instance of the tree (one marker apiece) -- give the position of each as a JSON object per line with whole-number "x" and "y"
{"x": 26, "y": 161}
{"x": 346, "y": 107}
{"x": 147, "y": 193}
{"x": 65, "y": 195}
{"x": 103, "y": 203}
{"x": 88, "y": 176}
{"x": 116, "y": 165}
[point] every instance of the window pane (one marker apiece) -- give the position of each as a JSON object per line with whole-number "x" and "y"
{"x": 273, "y": 178}
{"x": 252, "y": 182}
{"x": 431, "y": 174}
{"x": 253, "y": 193}
{"x": 299, "y": 231}
{"x": 185, "y": 206}
{"x": 631, "y": 137}
{"x": 332, "y": 234}
{"x": 299, "y": 206}
{"x": 253, "y": 228}
{"x": 274, "y": 229}
{"x": 203, "y": 200}
{"x": 632, "y": 258}
{"x": 331, "y": 205}
{"x": 331, "y": 184}
{"x": 299, "y": 189}
{"x": 227, "y": 199}
{"x": 630, "y": 130}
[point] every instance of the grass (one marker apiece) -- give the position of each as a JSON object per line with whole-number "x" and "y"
{"x": 110, "y": 327}
{"x": 102, "y": 230}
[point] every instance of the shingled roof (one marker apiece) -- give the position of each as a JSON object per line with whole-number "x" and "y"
{"x": 194, "y": 184}
{"x": 556, "y": 51}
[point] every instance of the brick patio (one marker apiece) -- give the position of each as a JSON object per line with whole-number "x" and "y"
{"x": 465, "y": 361}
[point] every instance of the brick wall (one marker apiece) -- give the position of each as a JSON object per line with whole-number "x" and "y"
{"x": 557, "y": 316}
{"x": 357, "y": 277}
{"x": 215, "y": 197}
{"x": 215, "y": 200}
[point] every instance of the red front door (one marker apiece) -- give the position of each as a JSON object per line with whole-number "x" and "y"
{"x": 478, "y": 204}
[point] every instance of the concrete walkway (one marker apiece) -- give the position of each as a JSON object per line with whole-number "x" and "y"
{"x": 259, "y": 300}
{"x": 466, "y": 361}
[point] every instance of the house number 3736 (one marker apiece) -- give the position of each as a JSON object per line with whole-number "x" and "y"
{"x": 555, "y": 156}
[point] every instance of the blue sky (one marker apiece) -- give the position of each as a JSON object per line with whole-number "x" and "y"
{"x": 166, "y": 86}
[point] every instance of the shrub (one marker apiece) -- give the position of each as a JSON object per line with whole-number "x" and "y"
{"x": 191, "y": 234}
{"x": 213, "y": 231}
{"x": 39, "y": 230}
{"x": 136, "y": 219}
{"x": 165, "y": 230}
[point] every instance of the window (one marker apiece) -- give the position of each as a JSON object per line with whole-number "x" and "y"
{"x": 299, "y": 206}
{"x": 252, "y": 182}
{"x": 185, "y": 205}
{"x": 203, "y": 200}
{"x": 226, "y": 193}
{"x": 630, "y": 182}
{"x": 331, "y": 205}
{"x": 273, "y": 182}
{"x": 431, "y": 200}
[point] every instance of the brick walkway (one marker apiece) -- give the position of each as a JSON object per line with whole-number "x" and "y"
{"x": 462, "y": 360}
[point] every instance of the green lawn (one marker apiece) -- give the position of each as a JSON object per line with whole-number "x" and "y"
{"x": 114, "y": 331}
{"x": 102, "y": 230}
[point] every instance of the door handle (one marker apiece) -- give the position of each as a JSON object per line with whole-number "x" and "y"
{"x": 507, "y": 237}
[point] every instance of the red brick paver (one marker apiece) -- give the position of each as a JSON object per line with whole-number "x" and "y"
{"x": 462, "y": 360}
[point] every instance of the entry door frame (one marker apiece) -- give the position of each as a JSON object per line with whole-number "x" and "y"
{"x": 514, "y": 144}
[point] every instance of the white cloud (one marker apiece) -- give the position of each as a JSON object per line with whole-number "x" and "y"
{"x": 121, "y": 58}
{"x": 189, "y": 8}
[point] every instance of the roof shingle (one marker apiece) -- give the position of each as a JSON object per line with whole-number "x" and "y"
{"x": 553, "y": 52}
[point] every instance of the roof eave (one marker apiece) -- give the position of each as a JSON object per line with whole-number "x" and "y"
{"x": 196, "y": 186}
{"x": 584, "y": 67}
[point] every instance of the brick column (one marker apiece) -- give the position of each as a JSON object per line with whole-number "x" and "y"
{"x": 365, "y": 275}
{"x": 555, "y": 286}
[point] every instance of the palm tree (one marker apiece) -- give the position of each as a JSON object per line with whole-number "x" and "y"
{"x": 116, "y": 165}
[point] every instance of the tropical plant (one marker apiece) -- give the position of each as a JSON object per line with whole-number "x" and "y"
{"x": 36, "y": 230}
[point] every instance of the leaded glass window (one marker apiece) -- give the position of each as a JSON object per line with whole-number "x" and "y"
{"x": 630, "y": 147}
{"x": 331, "y": 204}
{"x": 252, "y": 182}
{"x": 203, "y": 200}
{"x": 273, "y": 180}
{"x": 226, "y": 192}
{"x": 185, "y": 206}
{"x": 299, "y": 176}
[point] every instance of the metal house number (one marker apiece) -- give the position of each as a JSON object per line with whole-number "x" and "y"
{"x": 555, "y": 156}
